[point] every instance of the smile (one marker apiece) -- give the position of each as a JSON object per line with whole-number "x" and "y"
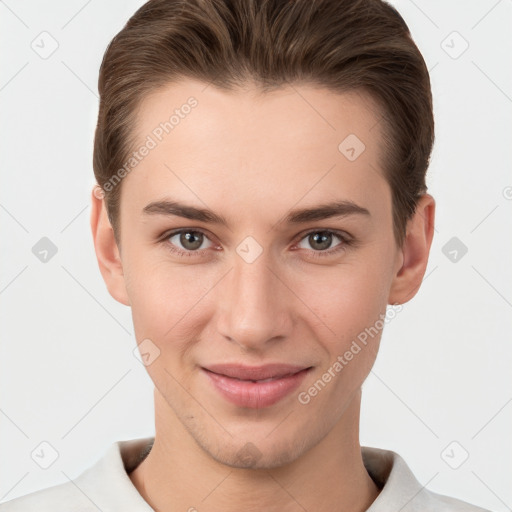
{"x": 255, "y": 387}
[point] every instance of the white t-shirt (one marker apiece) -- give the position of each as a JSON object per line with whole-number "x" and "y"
{"x": 106, "y": 486}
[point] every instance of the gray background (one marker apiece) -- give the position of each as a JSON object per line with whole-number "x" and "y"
{"x": 441, "y": 388}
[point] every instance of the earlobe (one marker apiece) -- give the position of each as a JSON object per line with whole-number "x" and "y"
{"x": 107, "y": 251}
{"x": 414, "y": 252}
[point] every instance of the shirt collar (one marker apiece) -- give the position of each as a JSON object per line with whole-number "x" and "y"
{"x": 108, "y": 486}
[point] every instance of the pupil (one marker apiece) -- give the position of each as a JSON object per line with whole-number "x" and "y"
{"x": 188, "y": 238}
{"x": 323, "y": 238}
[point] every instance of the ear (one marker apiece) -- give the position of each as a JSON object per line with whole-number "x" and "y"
{"x": 414, "y": 252}
{"x": 107, "y": 252}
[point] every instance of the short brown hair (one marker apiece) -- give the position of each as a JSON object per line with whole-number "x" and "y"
{"x": 342, "y": 45}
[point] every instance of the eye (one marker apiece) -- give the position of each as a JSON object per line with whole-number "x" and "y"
{"x": 321, "y": 241}
{"x": 194, "y": 242}
{"x": 186, "y": 242}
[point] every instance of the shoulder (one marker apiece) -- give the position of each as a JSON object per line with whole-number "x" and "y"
{"x": 103, "y": 486}
{"x": 59, "y": 498}
{"x": 442, "y": 503}
{"x": 400, "y": 490}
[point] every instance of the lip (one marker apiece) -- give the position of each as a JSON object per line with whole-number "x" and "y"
{"x": 255, "y": 386}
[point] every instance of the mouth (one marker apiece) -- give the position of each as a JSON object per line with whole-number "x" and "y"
{"x": 255, "y": 387}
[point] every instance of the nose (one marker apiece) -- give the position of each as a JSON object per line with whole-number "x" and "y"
{"x": 254, "y": 306}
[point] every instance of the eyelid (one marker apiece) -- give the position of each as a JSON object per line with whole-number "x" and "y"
{"x": 338, "y": 232}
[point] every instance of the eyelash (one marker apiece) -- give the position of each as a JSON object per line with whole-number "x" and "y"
{"x": 346, "y": 241}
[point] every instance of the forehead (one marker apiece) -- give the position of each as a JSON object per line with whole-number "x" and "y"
{"x": 305, "y": 111}
{"x": 245, "y": 146}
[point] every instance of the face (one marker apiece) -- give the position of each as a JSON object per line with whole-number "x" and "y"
{"x": 295, "y": 260}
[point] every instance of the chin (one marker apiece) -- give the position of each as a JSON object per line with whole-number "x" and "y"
{"x": 254, "y": 454}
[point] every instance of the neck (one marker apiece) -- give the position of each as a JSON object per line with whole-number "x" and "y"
{"x": 178, "y": 475}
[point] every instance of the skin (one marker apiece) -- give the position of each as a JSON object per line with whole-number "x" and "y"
{"x": 253, "y": 158}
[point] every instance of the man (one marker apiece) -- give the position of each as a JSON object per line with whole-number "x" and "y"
{"x": 261, "y": 202}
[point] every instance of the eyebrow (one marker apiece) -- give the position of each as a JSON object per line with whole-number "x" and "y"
{"x": 341, "y": 208}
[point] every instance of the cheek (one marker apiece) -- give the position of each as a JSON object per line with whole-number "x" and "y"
{"x": 351, "y": 307}
{"x": 346, "y": 298}
{"x": 166, "y": 304}
{"x": 166, "y": 300}
{"x": 350, "y": 300}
